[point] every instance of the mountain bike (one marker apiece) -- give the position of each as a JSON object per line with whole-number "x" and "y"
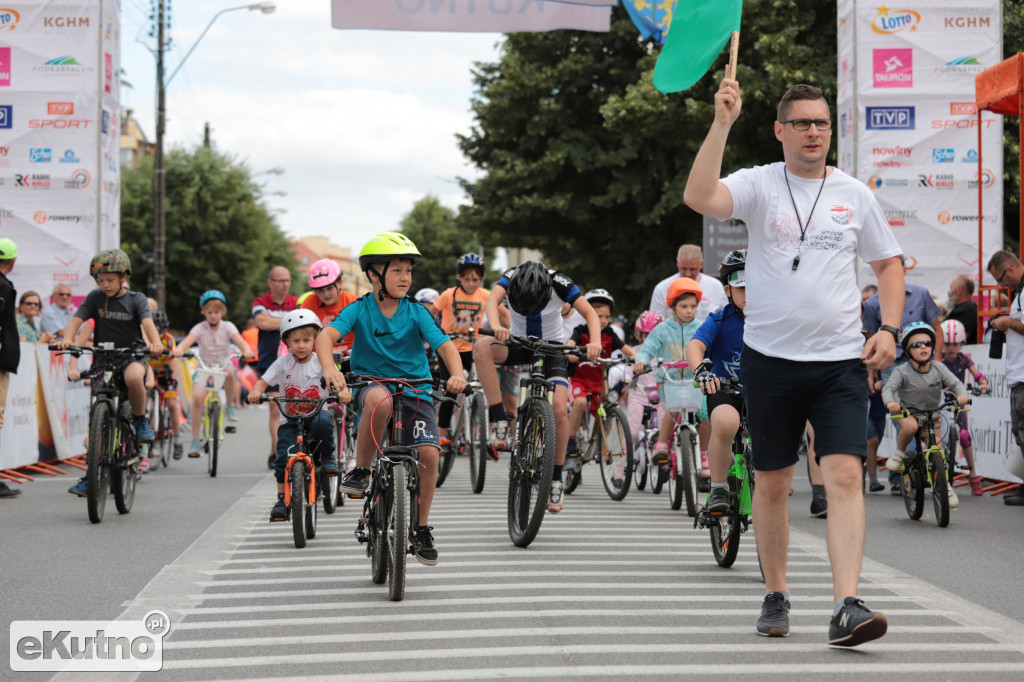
{"x": 608, "y": 441}
{"x": 468, "y": 432}
{"x": 726, "y": 526}
{"x": 211, "y": 379}
{"x": 112, "y": 453}
{"x": 927, "y": 465}
{"x": 304, "y": 479}
{"x": 391, "y": 506}
{"x": 532, "y": 461}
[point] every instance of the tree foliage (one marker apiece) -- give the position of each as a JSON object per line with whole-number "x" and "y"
{"x": 220, "y": 235}
{"x": 587, "y": 162}
{"x": 432, "y": 228}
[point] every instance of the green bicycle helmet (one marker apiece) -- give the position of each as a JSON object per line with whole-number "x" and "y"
{"x": 383, "y": 249}
{"x": 110, "y": 260}
{"x": 8, "y": 249}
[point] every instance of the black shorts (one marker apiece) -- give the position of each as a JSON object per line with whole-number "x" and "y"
{"x": 784, "y": 394}
{"x": 418, "y": 416}
{"x": 109, "y": 362}
{"x": 556, "y": 367}
{"x": 724, "y": 398}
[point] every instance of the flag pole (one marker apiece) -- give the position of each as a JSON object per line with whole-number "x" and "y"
{"x": 734, "y": 49}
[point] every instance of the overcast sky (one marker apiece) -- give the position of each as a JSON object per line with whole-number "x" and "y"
{"x": 363, "y": 122}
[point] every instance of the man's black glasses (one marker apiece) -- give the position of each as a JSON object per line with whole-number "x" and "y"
{"x": 804, "y": 124}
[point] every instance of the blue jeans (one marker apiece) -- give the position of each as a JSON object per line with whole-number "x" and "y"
{"x": 319, "y": 441}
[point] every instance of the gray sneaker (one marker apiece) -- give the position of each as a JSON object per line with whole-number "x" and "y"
{"x": 774, "y": 620}
{"x": 855, "y": 624}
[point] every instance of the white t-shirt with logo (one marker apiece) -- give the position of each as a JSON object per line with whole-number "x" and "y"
{"x": 813, "y": 313}
{"x": 295, "y": 380}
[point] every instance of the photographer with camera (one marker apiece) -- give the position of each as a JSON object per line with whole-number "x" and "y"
{"x": 1007, "y": 270}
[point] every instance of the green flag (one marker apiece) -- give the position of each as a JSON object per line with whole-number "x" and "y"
{"x": 699, "y": 31}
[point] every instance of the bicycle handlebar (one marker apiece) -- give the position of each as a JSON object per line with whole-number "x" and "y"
{"x": 317, "y": 403}
{"x": 138, "y": 350}
{"x": 539, "y": 345}
{"x": 951, "y": 403}
{"x": 353, "y": 380}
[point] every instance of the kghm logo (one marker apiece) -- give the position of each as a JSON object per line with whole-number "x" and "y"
{"x": 8, "y": 19}
{"x": 891, "y": 21}
{"x": 89, "y": 646}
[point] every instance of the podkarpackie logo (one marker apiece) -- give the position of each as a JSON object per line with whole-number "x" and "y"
{"x": 893, "y": 68}
{"x": 891, "y": 21}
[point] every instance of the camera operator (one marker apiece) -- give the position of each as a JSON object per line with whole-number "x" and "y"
{"x": 1007, "y": 270}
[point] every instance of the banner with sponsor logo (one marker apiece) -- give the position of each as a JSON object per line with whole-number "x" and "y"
{"x": 500, "y": 16}
{"x": 59, "y": 137}
{"x": 908, "y": 127}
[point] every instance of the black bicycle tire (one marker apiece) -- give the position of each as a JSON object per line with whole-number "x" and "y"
{"x": 298, "y": 497}
{"x": 658, "y": 478}
{"x": 913, "y": 494}
{"x": 530, "y": 469}
{"x": 478, "y": 444}
{"x": 311, "y": 505}
{"x": 97, "y": 460}
{"x": 377, "y": 550}
{"x": 675, "y": 484}
{"x": 123, "y": 477}
{"x": 329, "y": 486}
{"x": 725, "y": 534}
{"x": 940, "y": 488}
{"x": 615, "y": 418}
{"x": 446, "y": 458}
{"x": 640, "y": 472}
{"x": 397, "y": 534}
{"x": 688, "y": 472}
{"x": 572, "y": 478}
{"x": 166, "y": 439}
{"x": 214, "y": 439}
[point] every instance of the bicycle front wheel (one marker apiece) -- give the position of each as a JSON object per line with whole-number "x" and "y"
{"x": 530, "y": 472}
{"x": 165, "y": 434}
{"x": 912, "y": 485}
{"x": 311, "y": 504}
{"x": 397, "y": 534}
{"x": 725, "y": 532}
{"x": 688, "y": 468}
{"x": 298, "y": 484}
{"x": 329, "y": 486}
{"x": 940, "y": 487}
{"x": 478, "y": 443}
{"x": 98, "y": 458}
{"x": 377, "y": 548}
{"x": 122, "y": 475}
{"x": 616, "y": 454}
{"x": 640, "y": 465}
{"x": 214, "y": 435}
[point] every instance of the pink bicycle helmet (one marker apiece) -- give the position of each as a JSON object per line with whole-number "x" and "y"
{"x": 954, "y": 331}
{"x": 323, "y": 272}
{"x": 647, "y": 321}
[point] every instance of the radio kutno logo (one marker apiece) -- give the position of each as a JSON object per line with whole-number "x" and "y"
{"x": 891, "y": 21}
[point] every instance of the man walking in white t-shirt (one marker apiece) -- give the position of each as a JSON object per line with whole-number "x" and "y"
{"x": 804, "y": 358}
{"x": 690, "y": 262}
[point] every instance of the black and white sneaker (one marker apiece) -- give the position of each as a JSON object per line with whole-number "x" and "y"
{"x": 774, "y": 620}
{"x": 355, "y": 482}
{"x": 855, "y": 624}
{"x": 718, "y": 501}
{"x": 423, "y": 542}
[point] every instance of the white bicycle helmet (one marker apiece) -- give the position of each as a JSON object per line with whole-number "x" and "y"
{"x": 297, "y": 319}
{"x": 599, "y": 296}
{"x": 954, "y": 331}
{"x": 426, "y": 295}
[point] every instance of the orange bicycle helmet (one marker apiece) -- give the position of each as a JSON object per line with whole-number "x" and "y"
{"x": 680, "y": 286}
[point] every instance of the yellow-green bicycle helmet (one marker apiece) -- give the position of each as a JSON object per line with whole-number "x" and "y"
{"x": 384, "y": 248}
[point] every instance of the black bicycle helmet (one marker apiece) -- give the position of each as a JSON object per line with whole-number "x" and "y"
{"x": 733, "y": 262}
{"x": 529, "y": 288}
{"x": 161, "y": 321}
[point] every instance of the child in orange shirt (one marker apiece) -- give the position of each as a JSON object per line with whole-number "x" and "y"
{"x": 325, "y": 280}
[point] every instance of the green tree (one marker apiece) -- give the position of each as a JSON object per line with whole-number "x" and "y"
{"x": 433, "y": 229}
{"x": 220, "y": 235}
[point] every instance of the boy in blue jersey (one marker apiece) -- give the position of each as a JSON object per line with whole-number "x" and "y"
{"x": 390, "y": 330}
{"x": 721, "y": 338}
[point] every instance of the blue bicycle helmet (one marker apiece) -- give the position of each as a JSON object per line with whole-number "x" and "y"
{"x": 470, "y": 260}
{"x": 916, "y": 328}
{"x": 212, "y": 295}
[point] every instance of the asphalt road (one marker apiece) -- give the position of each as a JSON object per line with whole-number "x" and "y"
{"x": 607, "y": 589}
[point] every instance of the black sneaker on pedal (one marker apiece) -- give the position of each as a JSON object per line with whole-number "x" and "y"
{"x": 774, "y": 620}
{"x": 331, "y": 467}
{"x": 355, "y": 482}
{"x": 279, "y": 512}
{"x": 718, "y": 501}
{"x": 855, "y": 624}
{"x": 423, "y": 542}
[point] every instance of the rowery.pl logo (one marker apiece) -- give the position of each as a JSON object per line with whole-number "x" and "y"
{"x": 89, "y": 646}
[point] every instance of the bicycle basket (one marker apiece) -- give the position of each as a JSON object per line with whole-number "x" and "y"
{"x": 210, "y": 379}
{"x": 680, "y": 395}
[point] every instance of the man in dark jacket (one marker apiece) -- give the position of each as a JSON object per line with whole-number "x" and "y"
{"x": 10, "y": 348}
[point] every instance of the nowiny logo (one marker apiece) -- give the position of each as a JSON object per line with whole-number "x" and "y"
{"x": 89, "y": 646}
{"x": 891, "y": 21}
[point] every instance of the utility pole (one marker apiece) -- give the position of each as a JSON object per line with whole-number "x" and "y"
{"x": 206, "y": 135}
{"x": 159, "y": 227}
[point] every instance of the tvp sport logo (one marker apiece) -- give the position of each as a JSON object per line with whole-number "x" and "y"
{"x": 89, "y": 646}
{"x": 893, "y": 68}
{"x": 891, "y": 21}
{"x": 6, "y": 115}
{"x": 889, "y": 118}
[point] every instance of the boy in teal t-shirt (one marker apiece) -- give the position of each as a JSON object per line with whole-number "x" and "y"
{"x": 389, "y": 330}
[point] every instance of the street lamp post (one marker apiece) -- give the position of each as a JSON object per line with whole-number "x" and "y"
{"x": 159, "y": 190}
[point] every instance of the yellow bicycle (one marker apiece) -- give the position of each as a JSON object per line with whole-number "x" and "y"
{"x": 211, "y": 380}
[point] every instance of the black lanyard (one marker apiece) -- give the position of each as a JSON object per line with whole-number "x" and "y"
{"x": 803, "y": 228}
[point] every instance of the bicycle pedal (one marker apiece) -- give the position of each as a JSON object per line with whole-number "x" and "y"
{"x": 230, "y": 429}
